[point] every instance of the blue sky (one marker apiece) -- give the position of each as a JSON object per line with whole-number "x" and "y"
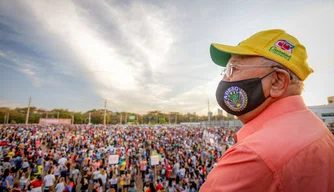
{"x": 144, "y": 55}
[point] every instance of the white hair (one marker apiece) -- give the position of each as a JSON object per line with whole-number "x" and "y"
{"x": 293, "y": 77}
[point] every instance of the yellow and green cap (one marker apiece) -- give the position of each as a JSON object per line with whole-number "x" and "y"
{"x": 273, "y": 44}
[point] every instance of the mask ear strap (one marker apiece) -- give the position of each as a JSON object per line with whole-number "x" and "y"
{"x": 268, "y": 74}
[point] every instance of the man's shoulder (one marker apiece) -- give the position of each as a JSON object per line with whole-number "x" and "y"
{"x": 284, "y": 137}
{"x": 239, "y": 163}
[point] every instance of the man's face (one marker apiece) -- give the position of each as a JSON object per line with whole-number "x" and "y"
{"x": 248, "y": 72}
{"x": 242, "y": 73}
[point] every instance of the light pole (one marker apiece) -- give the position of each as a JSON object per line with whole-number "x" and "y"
{"x": 105, "y": 112}
{"x": 27, "y": 117}
{"x": 89, "y": 117}
{"x": 72, "y": 119}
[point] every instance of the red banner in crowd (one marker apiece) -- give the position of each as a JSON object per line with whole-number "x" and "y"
{"x": 54, "y": 121}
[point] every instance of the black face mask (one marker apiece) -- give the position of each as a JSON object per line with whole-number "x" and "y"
{"x": 240, "y": 97}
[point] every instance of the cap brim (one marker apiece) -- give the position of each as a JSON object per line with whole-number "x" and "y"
{"x": 221, "y": 54}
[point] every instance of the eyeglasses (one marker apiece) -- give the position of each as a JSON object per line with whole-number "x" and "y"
{"x": 231, "y": 68}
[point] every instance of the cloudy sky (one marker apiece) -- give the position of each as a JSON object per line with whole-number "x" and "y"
{"x": 144, "y": 55}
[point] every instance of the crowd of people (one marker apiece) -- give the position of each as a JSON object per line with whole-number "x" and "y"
{"x": 76, "y": 157}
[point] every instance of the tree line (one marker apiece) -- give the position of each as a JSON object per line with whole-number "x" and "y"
{"x": 18, "y": 116}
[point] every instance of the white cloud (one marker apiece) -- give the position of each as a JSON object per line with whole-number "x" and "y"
{"x": 30, "y": 67}
{"x": 142, "y": 56}
{"x": 2, "y": 54}
{"x": 11, "y": 103}
{"x": 121, "y": 73}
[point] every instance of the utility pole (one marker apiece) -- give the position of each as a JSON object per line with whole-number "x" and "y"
{"x": 89, "y": 117}
{"x": 27, "y": 117}
{"x": 209, "y": 117}
{"x": 72, "y": 118}
{"x": 105, "y": 112}
{"x": 157, "y": 119}
{"x": 208, "y": 106}
{"x": 7, "y": 118}
{"x": 120, "y": 119}
{"x": 126, "y": 117}
{"x": 169, "y": 118}
{"x": 176, "y": 119}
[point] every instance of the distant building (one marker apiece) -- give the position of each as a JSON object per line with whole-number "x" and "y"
{"x": 325, "y": 112}
{"x": 229, "y": 116}
{"x": 330, "y": 100}
{"x": 210, "y": 114}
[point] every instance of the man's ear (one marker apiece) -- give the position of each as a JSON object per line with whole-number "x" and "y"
{"x": 280, "y": 83}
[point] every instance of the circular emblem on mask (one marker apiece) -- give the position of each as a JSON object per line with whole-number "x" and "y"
{"x": 235, "y": 98}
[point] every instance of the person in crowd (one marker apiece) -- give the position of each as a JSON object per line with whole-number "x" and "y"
{"x": 103, "y": 176}
{"x": 16, "y": 187}
{"x": 151, "y": 188}
{"x": 98, "y": 186}
{"x": 36, "y": 185}
{"x": 75, "y": 173}
{"x": 132, "y": 187}
{"x": 70, "y": 186}
{"x": 23, "y": 181}
{"x": 84, "y": 181}
{"x": 60, "y": 187}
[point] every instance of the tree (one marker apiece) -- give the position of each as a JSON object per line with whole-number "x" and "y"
{"x": 79, "y": 118}
{"x": 18, "y": 115}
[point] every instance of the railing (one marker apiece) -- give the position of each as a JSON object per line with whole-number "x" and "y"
{"x": 227, "y": 124}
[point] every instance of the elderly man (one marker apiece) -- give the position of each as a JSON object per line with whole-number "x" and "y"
{"x": 283, "y": 146}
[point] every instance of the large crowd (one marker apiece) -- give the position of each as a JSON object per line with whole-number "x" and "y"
{"x": 73, "y": 158}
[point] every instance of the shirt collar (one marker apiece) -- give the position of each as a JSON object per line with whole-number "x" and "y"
{"x": 285, "y": 105}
